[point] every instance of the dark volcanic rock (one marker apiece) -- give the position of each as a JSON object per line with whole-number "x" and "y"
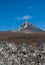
{"x": 29, "y": 27}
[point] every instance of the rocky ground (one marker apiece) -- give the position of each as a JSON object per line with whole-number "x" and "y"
{"x": 22, "y": 54}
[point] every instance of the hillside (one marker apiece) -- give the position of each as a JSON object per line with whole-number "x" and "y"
{"x": 29, "y": 27}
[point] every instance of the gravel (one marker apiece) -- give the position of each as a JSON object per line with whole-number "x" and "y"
{"x": 23, "y": 54}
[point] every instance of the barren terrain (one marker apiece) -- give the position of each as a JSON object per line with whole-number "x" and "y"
{"x": 19, "y": 37}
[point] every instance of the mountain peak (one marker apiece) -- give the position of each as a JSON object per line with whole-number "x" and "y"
{"x": 27, "y": 23}
{"x": 29, "y": 27}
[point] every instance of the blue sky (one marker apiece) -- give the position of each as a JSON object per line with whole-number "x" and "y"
{"x": 14, "y": 12}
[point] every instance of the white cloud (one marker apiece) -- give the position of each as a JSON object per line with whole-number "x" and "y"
{"x": 24, "y": 17}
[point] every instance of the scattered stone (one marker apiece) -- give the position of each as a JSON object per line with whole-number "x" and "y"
{"x": 23, "y": 54}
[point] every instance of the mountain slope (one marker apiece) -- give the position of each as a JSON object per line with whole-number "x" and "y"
{"x": 29, "y": 27}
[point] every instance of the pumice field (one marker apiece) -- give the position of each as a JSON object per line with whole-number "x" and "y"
{"x": 22, "y": 54}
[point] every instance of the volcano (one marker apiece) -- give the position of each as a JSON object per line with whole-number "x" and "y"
{"x": 23, "y": 34}
{"x": 29, "y": 27}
